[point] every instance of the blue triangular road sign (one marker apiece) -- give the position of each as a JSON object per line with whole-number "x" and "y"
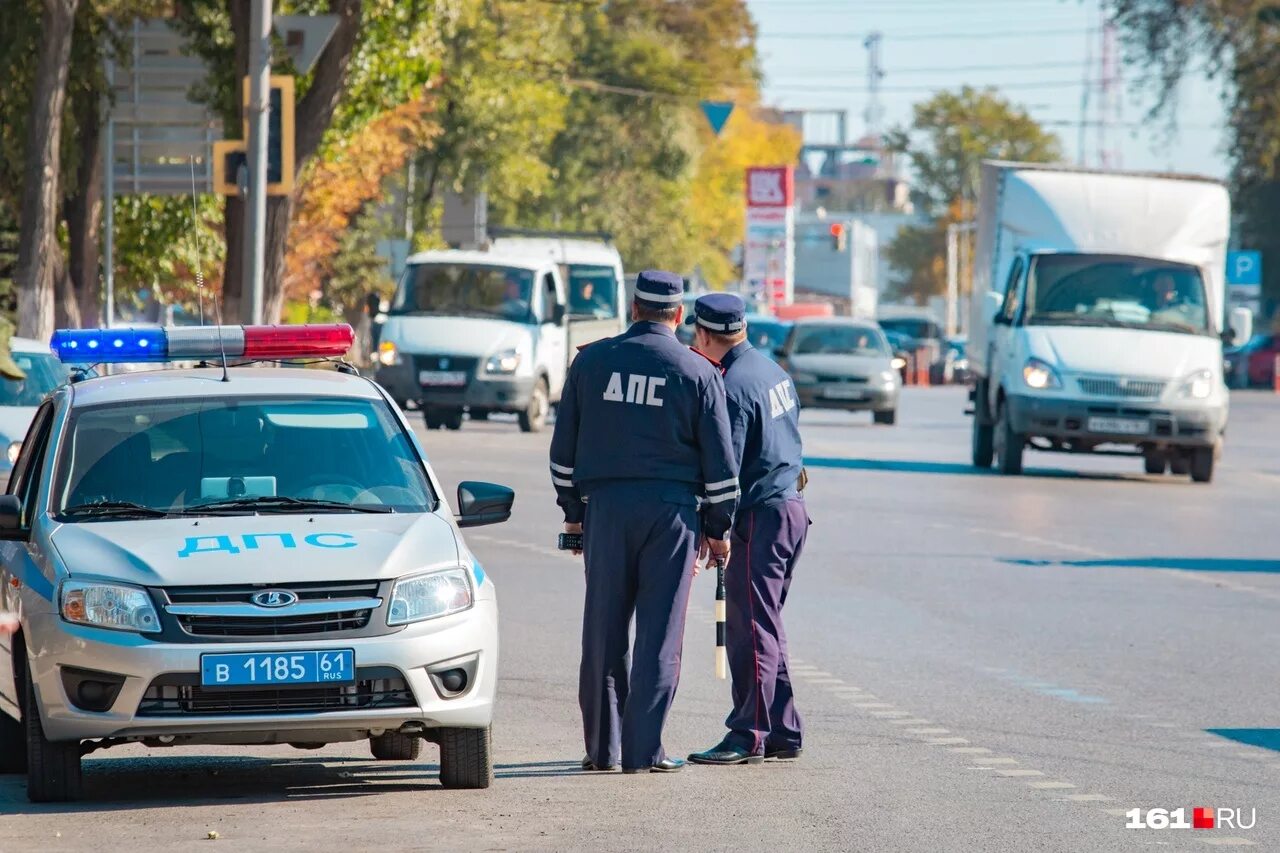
{"x": 717, "y": 113}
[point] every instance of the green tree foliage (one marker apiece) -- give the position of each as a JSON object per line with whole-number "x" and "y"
{"x": 918, "y": 255}
{"x": 953, "y": 132}
{"x": 1238, "y": 43}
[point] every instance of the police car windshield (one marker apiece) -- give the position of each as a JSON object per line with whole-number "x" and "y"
{"x": 839, "y": 340}
{"x": 44, "y": 373}
{"x": 480, "y": 290}
{"x": 243, "y": 454}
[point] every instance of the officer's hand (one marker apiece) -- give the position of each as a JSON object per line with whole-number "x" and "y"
{"x": 573, "y": 528}
{"x": 719, "y": 548}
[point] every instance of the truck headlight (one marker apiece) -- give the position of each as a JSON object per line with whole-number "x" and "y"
{"x": 429, "y": 596}
{"x": 503, "y": 362}
{"x": 1197, "y": 386}
{"x": 118, "y": 606}
{"x": 1040, "y": 376}
{"x": 388, "y": 354}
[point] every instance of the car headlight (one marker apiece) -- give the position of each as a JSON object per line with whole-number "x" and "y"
{"x": 429, "y": 596}
{"x": 898, "y": 362}
{"x": 120, "y": 607}
{"x": 1039, "y": 375}
{"x": 1197, "y": 386}
{"x": 388, "y": 354}
{"x": 888, "y": 377}
{"x": 804, "y": 378}
{"x": 12, "y": 451}
{"x": 503, "y": 362}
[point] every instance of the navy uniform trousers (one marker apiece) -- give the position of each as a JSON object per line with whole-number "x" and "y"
{"x": 767, "y": 541}
{"x": 640, "y": 541}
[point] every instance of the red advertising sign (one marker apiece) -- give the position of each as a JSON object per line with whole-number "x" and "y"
{"x": 770, "y": 186}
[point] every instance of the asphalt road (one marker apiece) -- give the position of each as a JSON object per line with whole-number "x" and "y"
{"x": 986, "y": 664}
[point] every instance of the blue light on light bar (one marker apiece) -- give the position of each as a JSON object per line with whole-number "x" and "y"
{"x": 100, "y": 346}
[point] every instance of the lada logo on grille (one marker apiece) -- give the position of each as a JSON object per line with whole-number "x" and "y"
{"x": 274, "y": 598}
{"x": 444, "y": 364}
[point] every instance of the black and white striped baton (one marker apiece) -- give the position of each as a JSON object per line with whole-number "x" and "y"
{"x": 722, "y": 656}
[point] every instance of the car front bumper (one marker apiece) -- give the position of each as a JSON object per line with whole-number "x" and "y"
{"x": 1181, "y": 425}
{"x": 843, "y": 395}
{"x": 467, "y": 639}
{"x": 498, "y": 393}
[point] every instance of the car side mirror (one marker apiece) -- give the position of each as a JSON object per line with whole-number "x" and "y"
{"x": 483, "y": 503}
{"x": 995, "y": 306}
{"x": 11, "y": 518}
{"x": 1239, "y": 327}
{"x": 557, "y": 315}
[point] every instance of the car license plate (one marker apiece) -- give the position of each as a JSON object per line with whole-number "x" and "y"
{"x": 442, "y": 377}
{"x": 1120, "y": 426}
{"x": 331, "y": 666}
{"x": 844, "y": 393}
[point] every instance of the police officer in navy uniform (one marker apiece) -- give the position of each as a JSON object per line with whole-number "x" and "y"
{"x": 643, "y": 465}
{"x": 768, "y": 536}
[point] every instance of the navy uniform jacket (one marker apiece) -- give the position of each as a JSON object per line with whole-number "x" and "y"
{"x": 765, "y": 418}
{"x": 641, "y": 406}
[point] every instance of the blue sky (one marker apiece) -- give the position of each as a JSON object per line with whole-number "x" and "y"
{"x": 1034, "y": 51}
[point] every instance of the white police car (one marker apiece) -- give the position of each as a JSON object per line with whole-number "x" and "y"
{"x": 257, "y": 557}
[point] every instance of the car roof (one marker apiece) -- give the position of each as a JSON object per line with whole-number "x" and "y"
{"x": 519, "y": 260}
{"x": 568, "y": 250}
{"x": 28, "y": 345}
{"x": 853, "y": 322}
{"x": 164, "y": 384}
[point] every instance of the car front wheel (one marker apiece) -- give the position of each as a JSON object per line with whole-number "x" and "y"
{"x": 53, "y": 767}
{"x": 466, "y": 759}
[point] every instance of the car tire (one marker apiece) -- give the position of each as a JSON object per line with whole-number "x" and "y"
{"x": 1008, "y": 444}
{"x": 432, "y": 418}
{"x": 53, "y": 768}
{"x": 534, "y": 417}
{"x": 453, "y": 420}
{"x": 888, "y": 418}
{"x": 982, "y": 443}
{"x": 479, "y": 414}
{"x": 394, "y": 746}
{"x": 13, "y": 745}
{"x": 1202, "y": 465}
{"x": 1155, "y": 462}
{"x": 466, "y": 759}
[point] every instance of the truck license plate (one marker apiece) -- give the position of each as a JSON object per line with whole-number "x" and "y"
{"x": 331, "y": 666}
{"x": 442, "y": 377}
{"x": 1120, "y": 426}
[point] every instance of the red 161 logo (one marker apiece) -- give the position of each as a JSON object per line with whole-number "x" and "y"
{"x": 1202, "y": 817}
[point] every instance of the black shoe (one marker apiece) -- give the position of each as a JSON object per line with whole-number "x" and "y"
{"x": 783, "y": 754}
{"x": 666, "y": 765}
{"x": 725, "y": 753}
{"x": 588, "y": 764}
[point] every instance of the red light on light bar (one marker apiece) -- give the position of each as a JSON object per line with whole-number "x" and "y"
{"x": 311, "y": 341}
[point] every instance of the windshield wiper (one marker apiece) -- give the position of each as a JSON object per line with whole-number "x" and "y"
{"x": 281, "y": 503}
{"x": 113, "y": 509}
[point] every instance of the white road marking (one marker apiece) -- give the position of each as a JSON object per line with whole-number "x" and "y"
{"x": 1117, "y": 812}
{"x": 1088, "y": 798}
{"x": 988, "y": 762}
{"x": 1019, "y": 773}
{"x": 946, "y": 741}
{"x": 934, "y": 731}
{"x": 970, "y": 750}
{"x": 1050, "y": 786}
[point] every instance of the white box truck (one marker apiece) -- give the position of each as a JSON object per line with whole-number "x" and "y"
{"x": 1097, "y": 317}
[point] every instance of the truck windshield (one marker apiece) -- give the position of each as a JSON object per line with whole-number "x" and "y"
{"x": 1113, "y": 290}
{"x": 593, "y": 291}
{"x": 237, "y": 455}
{"x": 476, "y": 290}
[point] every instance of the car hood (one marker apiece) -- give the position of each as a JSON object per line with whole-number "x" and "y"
{"x": 1164, "y": 355}
{"x": 14, "y": 421}
{"x": 271, "y": 549}
{"x": 463, "y": 336}
{"x": 839, "y": 365}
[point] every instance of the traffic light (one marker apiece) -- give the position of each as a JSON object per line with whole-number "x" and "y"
{"x": 230, "y": 154}
{"x": 838, "y": 237}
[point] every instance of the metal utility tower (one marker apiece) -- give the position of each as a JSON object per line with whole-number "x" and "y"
{"x": 1110, "y": 98}
{"x": 875, "y": 73}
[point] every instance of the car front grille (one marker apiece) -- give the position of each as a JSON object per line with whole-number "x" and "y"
{"x": 180, "y": 694}
{"x": 225, "y": 607}
{"x": 837, "y": 380}
{"x": 1130, "y": 389}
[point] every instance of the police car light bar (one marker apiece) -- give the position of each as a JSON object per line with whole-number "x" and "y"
{"x": 200, "y": 343}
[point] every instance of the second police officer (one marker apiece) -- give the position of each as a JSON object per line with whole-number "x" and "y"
{"x": 643, "y": 466}
{"x": 768, "y": 536}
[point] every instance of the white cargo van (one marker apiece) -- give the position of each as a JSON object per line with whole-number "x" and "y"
{"x": 1097, "y": 317}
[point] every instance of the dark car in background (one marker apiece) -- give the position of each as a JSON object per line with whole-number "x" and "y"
{"x": 1253, "y": 364}
{"x": 903, "y": 346}
{"x": 952, "y": 366}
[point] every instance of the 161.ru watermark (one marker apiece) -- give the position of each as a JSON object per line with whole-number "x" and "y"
{"x": 1202, "y": 817}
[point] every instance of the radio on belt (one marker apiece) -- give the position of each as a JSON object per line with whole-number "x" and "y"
{"x": 195, "y": 343}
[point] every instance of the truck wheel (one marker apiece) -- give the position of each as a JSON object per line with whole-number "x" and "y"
{"x": 479, "y": 414}
{"x": 1155, "y": 462}
{"x": 453, "y": 419}
{"x": 888, "y": 418}
{"x": 983, "y": 441}
{"x": 432, "y": 418}
{"x": 394, "y": 746}
{"x": 466, "y": 760}
{"x": 1180, "y": 464}
{"x": 53, "y": 769}
{"x": 534, "y": 417}
{"x": 1008, "y": 444}
{"x": 1202, "y": 465}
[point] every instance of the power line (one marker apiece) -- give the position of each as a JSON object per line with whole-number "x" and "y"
{"x": 944, "y": 35}
{"x": 1025, "y": 84}
{"x": 930, "y": 69}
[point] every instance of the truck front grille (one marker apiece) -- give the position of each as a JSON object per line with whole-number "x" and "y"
{"x": 179, "y": 694}
{"x": 1129, "y": 389}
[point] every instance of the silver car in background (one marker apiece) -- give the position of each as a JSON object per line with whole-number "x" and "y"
{"x": 842, "y": 363}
